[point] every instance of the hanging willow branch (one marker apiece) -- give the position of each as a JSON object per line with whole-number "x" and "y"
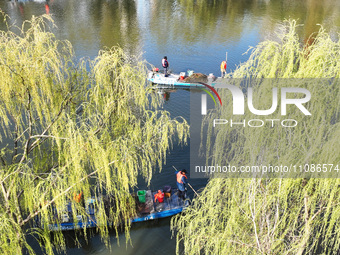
{"x": 66, "y": 129}
{"x": 273, "y": 215}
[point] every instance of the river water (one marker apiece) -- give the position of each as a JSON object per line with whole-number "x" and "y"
{"x": 194, "y": 35}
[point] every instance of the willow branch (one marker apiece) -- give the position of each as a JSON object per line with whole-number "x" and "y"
{"x": 104, "y": 122}
{"x": 15, "y": 152}
{"x": 48, "y": 136}
{"x": 253, "y": 214}
{"x": 38, "y": 141}
{"x": 3, "y": 162}
{"x": 29, "y": 130}
{"x": 32, "y": 215}
{"x": 6, "y": 195}
{"x": 21, "y": 134}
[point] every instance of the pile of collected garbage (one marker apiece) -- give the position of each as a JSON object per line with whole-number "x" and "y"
{"x": 196, "y": 77}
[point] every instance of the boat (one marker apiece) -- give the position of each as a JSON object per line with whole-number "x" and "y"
{"x": 68, "y": 223}
{"x": 179, "y": 80}
{"x": 146, "y": 209}
{"x": 150, "y": 210}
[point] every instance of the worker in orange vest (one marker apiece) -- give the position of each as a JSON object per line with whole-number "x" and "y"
{"x": 77, "y": 197}
{"x": 223, "y": 68}
{"x": 181, "y": 181}
{"x": 159, "y": 196}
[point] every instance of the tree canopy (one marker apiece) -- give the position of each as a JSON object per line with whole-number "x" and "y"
{"x": 273, "y": 215}
{"x": 70, "y": 126}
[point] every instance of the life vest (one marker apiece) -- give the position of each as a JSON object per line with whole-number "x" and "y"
{"x": 179, "y": 177}
{"x": 77, "y": 198}
{"x": 165, "y": 63}
{"x": 224, "y": 65}
{"x": 159, "y": 196}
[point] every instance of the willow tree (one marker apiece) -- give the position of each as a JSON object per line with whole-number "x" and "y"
{"x": 70, "y": 126}
{"x": 274, "y": 215}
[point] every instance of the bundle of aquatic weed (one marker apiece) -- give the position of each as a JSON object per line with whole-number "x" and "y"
{"x": 196, "y": 77}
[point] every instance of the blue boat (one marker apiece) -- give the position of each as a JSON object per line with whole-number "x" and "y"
{"x": 67, "y": 222}
{"x": 148, "y": 210}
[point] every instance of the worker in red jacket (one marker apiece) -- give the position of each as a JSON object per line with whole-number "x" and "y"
{"x": 159, "y": 196}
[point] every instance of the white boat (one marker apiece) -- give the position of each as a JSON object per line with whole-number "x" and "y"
{"x": 178, "y": 80}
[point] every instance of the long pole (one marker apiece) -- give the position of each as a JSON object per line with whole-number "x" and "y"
{"x": 192, "y": 188}
{"x": 188, "y": 184}
{"x": 226, "y": 61}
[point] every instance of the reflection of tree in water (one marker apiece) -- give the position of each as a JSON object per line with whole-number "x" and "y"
{"x": 188, "y": 20}
{"x": 192, "y": 21}
{"x": 107, "y": 23}
{"x": 119, "y": 25}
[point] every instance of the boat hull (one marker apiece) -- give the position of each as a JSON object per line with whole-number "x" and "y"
{"x": 148, "y": 210}
{"x": 171, "y": 206}
{"x": 173, "y": 80}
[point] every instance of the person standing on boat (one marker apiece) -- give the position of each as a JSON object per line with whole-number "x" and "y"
{"x": 165, "y": 65}
{"x": 181, "y": 181}
{"x": 223, "y": 68}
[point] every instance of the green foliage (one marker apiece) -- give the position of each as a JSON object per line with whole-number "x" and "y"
{"x": 273, "y": 215}
{"x": 65, "y": 128}
{"x": 286, "y": 58}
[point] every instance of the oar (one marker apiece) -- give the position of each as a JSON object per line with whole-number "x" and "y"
{"x": 188, "y": 184}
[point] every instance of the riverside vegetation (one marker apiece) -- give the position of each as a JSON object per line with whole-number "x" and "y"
{"x": 70, "y": 126}
{"x": 273, "y": 215}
